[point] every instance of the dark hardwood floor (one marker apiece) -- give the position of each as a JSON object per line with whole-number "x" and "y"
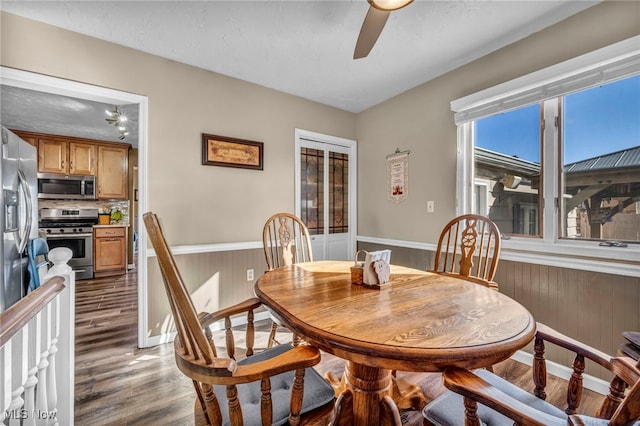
{"x": 116, "y": 383}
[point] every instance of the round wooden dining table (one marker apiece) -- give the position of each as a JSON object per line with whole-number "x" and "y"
{"x": 418, "y": 321}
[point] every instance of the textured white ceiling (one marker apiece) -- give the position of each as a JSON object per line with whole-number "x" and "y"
{"x": 35, "y": 111}
{"x": 305, "y": 48}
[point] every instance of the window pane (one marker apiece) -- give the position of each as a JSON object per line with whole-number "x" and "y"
{"x": 601, "y": 162}
{"x": 312, "y": 190}
{"x": 338, "y": 193}
{"x": 507, "y": 170}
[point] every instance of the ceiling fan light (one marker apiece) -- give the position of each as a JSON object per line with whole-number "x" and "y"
{"x": 389, "y": 5}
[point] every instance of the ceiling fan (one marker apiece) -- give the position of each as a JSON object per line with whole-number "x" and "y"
{"x": 373, "y": 24}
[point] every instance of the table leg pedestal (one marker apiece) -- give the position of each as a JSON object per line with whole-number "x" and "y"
{"x": 407, "y": 395}
{"x": 362, "y": 401}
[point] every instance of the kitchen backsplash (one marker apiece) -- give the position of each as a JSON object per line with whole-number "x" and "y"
{"x": 122, "y": 205}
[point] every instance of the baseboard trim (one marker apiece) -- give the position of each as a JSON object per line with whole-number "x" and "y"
{"x": 590, "y": 382}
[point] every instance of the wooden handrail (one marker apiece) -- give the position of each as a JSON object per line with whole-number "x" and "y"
{"x": 17, "y": 316}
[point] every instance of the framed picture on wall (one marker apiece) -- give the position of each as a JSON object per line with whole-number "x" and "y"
{"x": 231, "y": 152}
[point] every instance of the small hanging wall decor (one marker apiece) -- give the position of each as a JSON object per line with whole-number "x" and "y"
{"x": 231, "y": 152}
{"x": 398, "y": 175}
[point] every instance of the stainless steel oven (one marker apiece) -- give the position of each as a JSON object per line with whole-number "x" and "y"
{"x": 73, "y": 229}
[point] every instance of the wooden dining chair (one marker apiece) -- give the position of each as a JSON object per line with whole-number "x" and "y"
{"x": 503, "y": 403}
{"x": 286, "y": 241}
{"x": 275, "y": 386}
{"x": 469, "y": 246}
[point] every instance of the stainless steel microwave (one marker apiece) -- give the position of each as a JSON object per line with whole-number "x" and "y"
{"x": 68, "y": 187}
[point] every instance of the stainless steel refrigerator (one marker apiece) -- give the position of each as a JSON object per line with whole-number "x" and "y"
{"x": 19, "y": 215}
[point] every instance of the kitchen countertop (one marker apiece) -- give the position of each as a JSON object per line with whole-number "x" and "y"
{"x": 115, "y": 225}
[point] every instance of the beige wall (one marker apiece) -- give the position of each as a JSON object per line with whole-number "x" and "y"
{"x": 421, "y": 120}
{"x": 198, "y": 204}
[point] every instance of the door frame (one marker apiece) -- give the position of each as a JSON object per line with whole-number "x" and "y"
{"x": 352, "y": 147}
{"x": 60, "y": 86}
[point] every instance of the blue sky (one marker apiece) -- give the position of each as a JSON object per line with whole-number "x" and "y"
{"x": 597, "y": 121}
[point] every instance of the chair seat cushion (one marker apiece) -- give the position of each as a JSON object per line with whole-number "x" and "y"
{"x": 631, "y": 350}
{"x": 448, "y": 408}
{"x": 317, "y": 392}
{"x": 633, "y": 337}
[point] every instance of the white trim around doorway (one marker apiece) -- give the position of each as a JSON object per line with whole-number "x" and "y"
{"x": 352, "y": 147}
{"x": 59, "y": 86}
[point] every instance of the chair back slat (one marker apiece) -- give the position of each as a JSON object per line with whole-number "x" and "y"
{"x": 469, "y": 245}
{"x": 286, "y": 241}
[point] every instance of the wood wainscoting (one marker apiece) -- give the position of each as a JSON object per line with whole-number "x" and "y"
{"x": 219, "y": 276}
{"x": 592, "y": 307}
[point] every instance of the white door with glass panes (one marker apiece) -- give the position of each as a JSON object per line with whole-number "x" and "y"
{"x": 326, "y": 193}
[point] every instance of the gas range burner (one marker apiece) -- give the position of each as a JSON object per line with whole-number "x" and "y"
{"x": 67, "y": 221}
{"x": 71, "y": 229}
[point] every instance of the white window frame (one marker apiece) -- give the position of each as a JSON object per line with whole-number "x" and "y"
{"x": 483, "y": 187}
{"x": 611, "y": 63}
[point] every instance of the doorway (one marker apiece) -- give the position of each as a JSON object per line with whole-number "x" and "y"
{"x": 38, "y": 82}
{"x": 326, "y": 197}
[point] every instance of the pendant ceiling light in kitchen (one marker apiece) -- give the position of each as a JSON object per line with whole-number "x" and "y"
{"x": 119, "y": 119}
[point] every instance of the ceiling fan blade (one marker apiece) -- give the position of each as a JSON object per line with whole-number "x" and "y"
{"x": 370, "y": 31}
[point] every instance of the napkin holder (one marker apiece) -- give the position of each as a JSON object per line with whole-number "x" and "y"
{"x": 376, "y": 267}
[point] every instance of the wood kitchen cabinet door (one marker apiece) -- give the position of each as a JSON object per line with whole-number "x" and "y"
{"x": 109, "y": 251}
{"x": 112, "y": 172}
{"x": 52, "y": 156}
{"x": 82, "y": 159}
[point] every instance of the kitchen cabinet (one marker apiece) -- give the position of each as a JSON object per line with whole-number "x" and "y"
{"x": 82, "y": 159}
{"x": 66, "y": 157}
{"x": 52, "y": 156}
{"x": 112, "y": 171}
{"x": 109, "y": 250}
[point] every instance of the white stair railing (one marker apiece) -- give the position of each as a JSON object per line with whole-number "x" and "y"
{"x": 36, "y": 353}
